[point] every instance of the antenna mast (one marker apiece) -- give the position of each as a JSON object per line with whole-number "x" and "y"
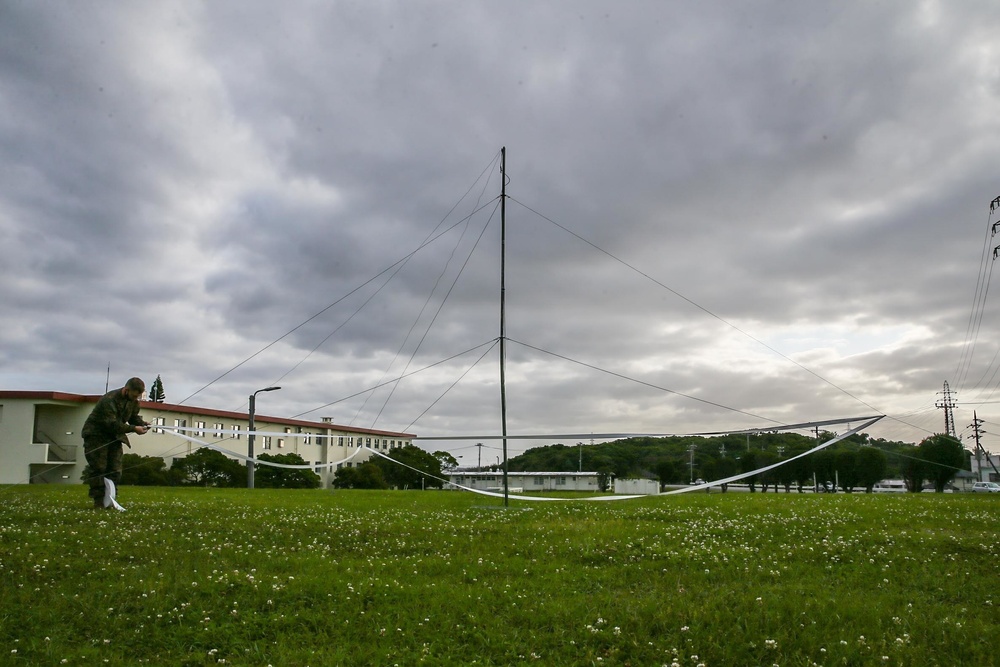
{"x": 503, "y": 314}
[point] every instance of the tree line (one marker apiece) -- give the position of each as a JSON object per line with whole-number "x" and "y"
{"x": 410, "y": 468}
{"x": 857, "y": 462}
{"x": 207, "y": 467}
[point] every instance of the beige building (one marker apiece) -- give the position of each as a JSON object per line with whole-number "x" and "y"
{"x": 40, "y": 439}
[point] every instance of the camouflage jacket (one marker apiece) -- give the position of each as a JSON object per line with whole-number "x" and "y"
{"x": 114, "y": 416}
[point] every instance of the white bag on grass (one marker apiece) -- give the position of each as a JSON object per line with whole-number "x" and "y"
{"x": 109, "y": 495}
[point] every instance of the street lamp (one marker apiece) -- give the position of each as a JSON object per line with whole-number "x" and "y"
{"x": 250, "y": 435}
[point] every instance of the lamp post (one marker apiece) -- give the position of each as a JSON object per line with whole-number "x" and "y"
{"x": 250, "y": 434}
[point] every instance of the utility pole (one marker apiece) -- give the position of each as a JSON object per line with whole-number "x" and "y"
{"x": 948, "y": 403}
{"x": 976, "y": 423}
{"x": 479, "y": 466}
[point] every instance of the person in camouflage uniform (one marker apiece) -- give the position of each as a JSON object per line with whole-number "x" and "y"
{"x": 106, "y": 429}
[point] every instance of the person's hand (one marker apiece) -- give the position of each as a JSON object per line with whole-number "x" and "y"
{"x": 141, "y": 430}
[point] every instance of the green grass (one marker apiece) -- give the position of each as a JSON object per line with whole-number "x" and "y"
{"x": 206, "y": 577}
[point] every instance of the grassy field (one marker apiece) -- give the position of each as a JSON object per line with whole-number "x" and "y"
{"x": 264, "y": 577}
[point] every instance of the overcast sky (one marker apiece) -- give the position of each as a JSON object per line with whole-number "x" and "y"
{"x": 720, "y": 215}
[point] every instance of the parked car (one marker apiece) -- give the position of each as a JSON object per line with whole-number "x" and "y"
{"x": 986, "y": 487}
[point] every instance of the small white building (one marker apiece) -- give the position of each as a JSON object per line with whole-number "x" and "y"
{"x": 40, "y": 439}
{"x": 526, "y": 482}
{"x": 637, "y": 487}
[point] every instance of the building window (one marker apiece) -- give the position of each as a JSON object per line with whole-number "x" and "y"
{"x": 307, "y": 438}
{"x": 236, "y": 430}
{"x": 180, "y": 423}
{"x": 217, "y": 427}
{"x": 368, "y": 442}
{"x": 200, "y": 426}
{"x": 266, "y": 439}
{"x": 340, "y": 441}
{"x": 350, "y": 441}
{"x": 561, "y": 481}
{"x": 539, "y": 481}
{"x": 281, "y": 443}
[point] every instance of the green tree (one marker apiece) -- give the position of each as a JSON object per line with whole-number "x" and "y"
{"x": 767, "y": 477}
{"x": 786, "y": 474}
{"x": 726, "y": 467}
{"x": 824, "y": 466}
{"x": 272, "y": 477}
{"x": 666, "y": 471}
{"x": 156, "y": 391}
{"x": 719, "y": 468}
{"x": 871, "y": 466}
{"x": 911, "y": 468}
{"x": 447, "y": 461}
{"x": 605, "y": 478}
{"x": 801, "y": 468}
{"x": 207, "y": 467}
{"x": 144, "y": 471}
{"x": 748, "y": 462}
{"x": 416, "y": 468}
{"x": 846, "y": 464}
{"x": 943, "y": 457}
{"x": 365, "y": 476}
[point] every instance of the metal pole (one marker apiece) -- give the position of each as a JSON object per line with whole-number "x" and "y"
{"x": 503, "y": 313}
{"x": 253, "y": 400}
{"x": 250, "y": 434}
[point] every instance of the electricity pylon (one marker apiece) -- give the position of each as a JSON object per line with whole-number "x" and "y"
{"x": 948, "y": 403}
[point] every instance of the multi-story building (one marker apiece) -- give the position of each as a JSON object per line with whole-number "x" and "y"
{"x": 40, "y": 439}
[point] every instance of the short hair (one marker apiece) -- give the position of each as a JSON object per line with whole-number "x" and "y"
{"x": 136, "y": 384}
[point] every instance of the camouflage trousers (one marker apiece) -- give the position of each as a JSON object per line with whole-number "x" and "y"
{"x": 105, "y": 460}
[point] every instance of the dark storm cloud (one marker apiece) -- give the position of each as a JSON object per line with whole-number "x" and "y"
{"x": 705, "y": 198}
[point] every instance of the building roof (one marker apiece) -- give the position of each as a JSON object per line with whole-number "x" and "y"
{"x": 193, "y": 410}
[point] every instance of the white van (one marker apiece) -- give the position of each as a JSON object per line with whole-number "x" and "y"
{"x": 890, "y": 486}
